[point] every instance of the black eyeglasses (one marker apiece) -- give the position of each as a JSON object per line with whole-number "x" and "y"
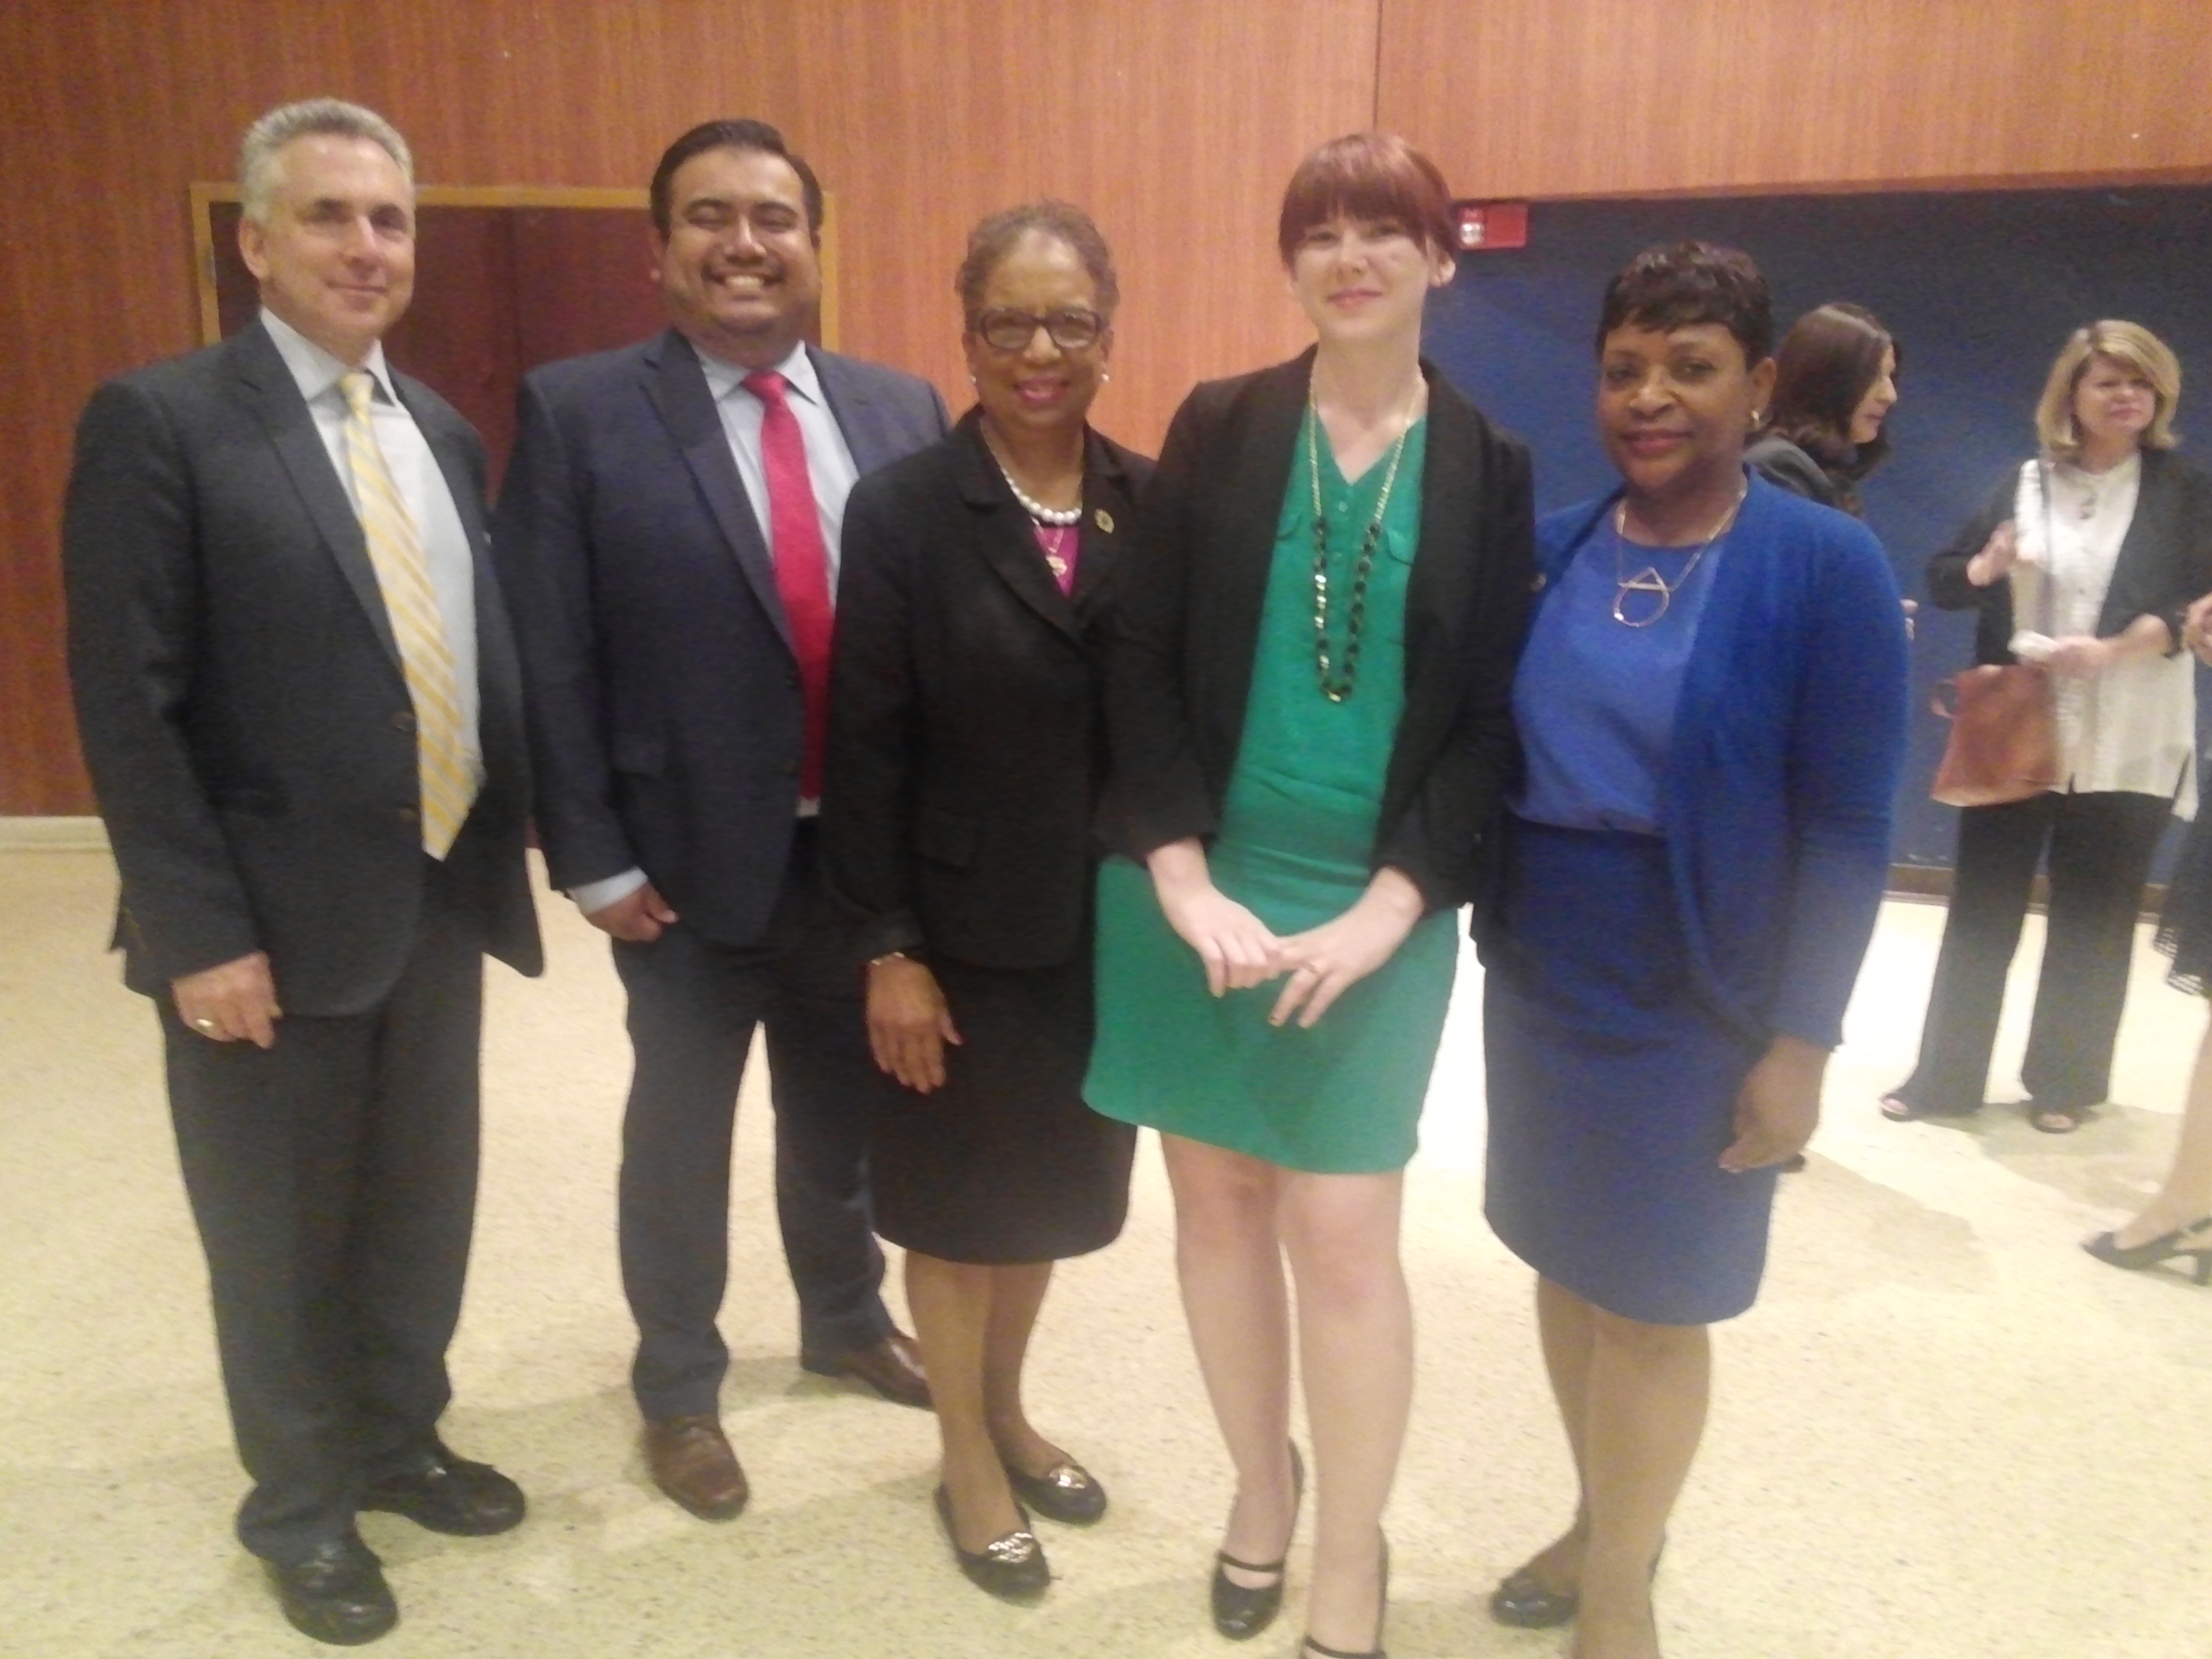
{"x": 1072, "y": 330}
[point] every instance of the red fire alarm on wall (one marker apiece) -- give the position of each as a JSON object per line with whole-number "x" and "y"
{"x": 1486, "y": 225}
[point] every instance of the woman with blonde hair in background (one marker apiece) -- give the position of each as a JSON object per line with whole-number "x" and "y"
{"x": 2084, "y": 560}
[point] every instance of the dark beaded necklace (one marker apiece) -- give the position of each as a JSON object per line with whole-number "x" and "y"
{"x": 1336, "y": 688}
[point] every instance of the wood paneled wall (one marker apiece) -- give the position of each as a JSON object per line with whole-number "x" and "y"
{"x": 1553, "y": 97}
{"x": 1175, "y": 121}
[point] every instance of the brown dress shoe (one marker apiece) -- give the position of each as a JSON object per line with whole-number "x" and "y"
{"x": 692, "y": 1462}
{"x": 892, "y": 1366}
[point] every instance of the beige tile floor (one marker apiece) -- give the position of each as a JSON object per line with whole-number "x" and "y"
{"x": 1944, "y": 1430}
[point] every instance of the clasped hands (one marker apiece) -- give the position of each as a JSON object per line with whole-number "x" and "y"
{"x": 1316, "y": 966}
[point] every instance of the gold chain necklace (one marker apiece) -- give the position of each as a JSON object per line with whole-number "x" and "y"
{"x": 1648, "y": 580}
{"x": 1334, "y": 688}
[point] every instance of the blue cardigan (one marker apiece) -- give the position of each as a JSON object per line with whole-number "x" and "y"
{"x": 1788, "y": 743}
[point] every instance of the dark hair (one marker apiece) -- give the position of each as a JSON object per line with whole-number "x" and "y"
{"x": 1828, "y": 359}
{"x": 1371, "y": 176}
{"x": 996, "y": 237}
{"x": 738, "y": 134}
{"x": 1680, "y": 284}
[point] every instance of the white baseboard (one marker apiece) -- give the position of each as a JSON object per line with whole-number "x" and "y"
{"x": 55, "y": 834}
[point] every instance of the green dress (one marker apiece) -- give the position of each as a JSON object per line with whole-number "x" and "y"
{"x": 1296, "y": 840}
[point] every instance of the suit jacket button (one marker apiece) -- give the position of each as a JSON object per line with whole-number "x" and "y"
{"x": 791, "y": 678}
{"x": 408, "y": 815}
{"x": 404, "y": 719}
{"x": 791, "y": 769}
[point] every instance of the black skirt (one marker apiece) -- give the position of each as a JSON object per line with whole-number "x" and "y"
{"x": 1004, "y": 1163}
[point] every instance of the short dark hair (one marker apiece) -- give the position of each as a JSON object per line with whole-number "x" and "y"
{"x": 1675, "y": 285}
{"x": 996, "y": 237}
{"x": 1828, "y": 359}
{"x": 735, "y": 134}
{"x": 1371, "y": 176}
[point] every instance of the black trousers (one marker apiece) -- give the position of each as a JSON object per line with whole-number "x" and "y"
{"x": 2100, "y": 847}
{"x": 693, "y": 1006}
{"x": 333, "y": 1178}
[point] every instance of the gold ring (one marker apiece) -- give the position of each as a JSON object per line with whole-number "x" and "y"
{"x": 202, "y": 1023}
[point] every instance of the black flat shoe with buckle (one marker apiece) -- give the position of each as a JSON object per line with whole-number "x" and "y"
{"x": 1012, "y": 1567}
{"x": 1067, "y": 1493}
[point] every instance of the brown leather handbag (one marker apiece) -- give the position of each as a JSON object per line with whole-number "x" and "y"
{"x": 2004, "y": 742}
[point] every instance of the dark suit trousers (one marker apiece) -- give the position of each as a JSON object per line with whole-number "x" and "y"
{"x": 693, "y": 1006}
{"x": 2100, "y": 847}
{"x": 333, "y": 1178}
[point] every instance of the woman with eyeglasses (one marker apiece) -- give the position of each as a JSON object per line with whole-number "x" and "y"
{"x": 964, "y": 761}
{"x": 1308, "y": 704}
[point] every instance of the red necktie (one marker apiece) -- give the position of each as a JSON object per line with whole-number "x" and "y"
{"x": 802, "y": 563}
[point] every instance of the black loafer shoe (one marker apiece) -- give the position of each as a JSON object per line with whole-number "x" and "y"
{"x": 1012, "y": 1567}
{"x": 337, "y": 1595}
{"x": 1067, "y": 1493}
{"x": 449, "y": 1494}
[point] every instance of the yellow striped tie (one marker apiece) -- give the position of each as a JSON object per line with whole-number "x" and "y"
{"x": 443, "y": 762}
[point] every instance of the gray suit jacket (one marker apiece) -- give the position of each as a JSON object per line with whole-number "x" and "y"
{"x": 238, "y": 693}
{"x": 665, "y": 716}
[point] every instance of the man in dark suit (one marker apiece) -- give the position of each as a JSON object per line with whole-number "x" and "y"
{"x": 301, "y": 711}
{"x": 668, "y": 534}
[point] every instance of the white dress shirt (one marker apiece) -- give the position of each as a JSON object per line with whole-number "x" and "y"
{"x": 2133, "y": 727}
{"x": 422, "y": 485}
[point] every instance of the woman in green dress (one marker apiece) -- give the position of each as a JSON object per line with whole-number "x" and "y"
{"x": 1308, "y": 716}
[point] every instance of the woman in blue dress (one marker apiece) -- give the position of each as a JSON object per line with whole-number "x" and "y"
{"x": 1713, "y": 705}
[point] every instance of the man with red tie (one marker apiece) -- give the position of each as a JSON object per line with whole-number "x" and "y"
{"x": 668, "y": 534}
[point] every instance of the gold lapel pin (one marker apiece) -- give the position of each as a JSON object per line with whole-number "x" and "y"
{"x": 1103, "y": 519}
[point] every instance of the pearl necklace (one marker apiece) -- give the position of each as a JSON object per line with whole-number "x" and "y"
{"x": 1037, "y": 510}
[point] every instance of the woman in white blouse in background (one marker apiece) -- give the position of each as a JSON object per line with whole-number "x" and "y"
{"x": 2084, "y": 560}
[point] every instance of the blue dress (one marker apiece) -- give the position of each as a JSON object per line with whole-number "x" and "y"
{"x": 1612, "y": 1081}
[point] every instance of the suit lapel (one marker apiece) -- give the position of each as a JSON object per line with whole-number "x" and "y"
{"x": 1003, "y": 534}
{"x": 274, "y": 397}
{"x": 873, "y": 432}
{"x": 678, "y": 385}
{"x": 1440, "y": 590}
{"x": 1109, "y": 512}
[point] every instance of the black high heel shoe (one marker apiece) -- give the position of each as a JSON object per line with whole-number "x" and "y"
{"x": 1241, "y": 1612}
{"x": 2194, "y": 1241}
{"x": 1012, "y": 1567}
{"x": 1520, "y": 1600}
{"x": 1382, "y": 1616}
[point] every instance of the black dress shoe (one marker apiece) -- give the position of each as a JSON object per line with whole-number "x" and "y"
{"x": 1241, "y": 1612}
{"x": 1067, "y": 1493}
{"x": 337, "y": 1595}
{"x": 1011, "y": 1568}
{"x": 449, "y": 1494}
{"x": 890, "y": 1365}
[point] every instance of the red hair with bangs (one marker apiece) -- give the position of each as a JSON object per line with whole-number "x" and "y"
{"x": 1373, "y": 177}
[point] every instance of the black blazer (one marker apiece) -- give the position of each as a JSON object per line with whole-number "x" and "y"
{"x": 239, "y": 696}
{"x": 1187, "y": 624}
{"x": 665, "y": 715}
{"x": 2165, "y": 559}
{"x": 966, "y": 742}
